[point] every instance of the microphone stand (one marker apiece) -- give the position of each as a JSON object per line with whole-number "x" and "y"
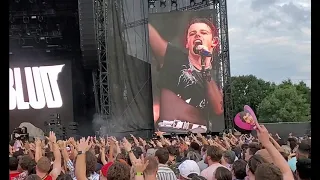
{"x": 203, "y": 67}
{"x": 204, "y": 78}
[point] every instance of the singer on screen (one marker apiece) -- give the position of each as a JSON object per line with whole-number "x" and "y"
{"x": 185, "y": 89}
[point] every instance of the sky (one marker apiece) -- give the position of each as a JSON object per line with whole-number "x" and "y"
{"x": 270, "y": 39}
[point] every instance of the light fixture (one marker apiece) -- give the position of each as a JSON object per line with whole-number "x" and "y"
{"x": 204, "y": 1}
{"x": 174, "y": 3}
{"x": 192, "y": 2}
{"x": 151, "y": 4}
{"x": 40, "y": 18}
{"x": 11, "y": 18}
{"x": 27, "y": 30}
{"x": 37, "y": 39}
{"x": 22, "y": 41}
{"x": 163, "y": 3}
{"x": 25, "y": 19}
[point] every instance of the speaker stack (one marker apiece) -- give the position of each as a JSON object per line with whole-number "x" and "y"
{"x": 54, "y": 124}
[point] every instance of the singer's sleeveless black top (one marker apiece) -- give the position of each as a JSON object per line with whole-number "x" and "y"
{"x": 182, "y": 78}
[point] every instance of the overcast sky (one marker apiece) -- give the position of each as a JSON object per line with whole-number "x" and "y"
{"x": 270, "y": 39}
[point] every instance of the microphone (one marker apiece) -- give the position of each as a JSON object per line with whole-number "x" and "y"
{"x": 195, "y": 47}
{"x": 201, "y": 52}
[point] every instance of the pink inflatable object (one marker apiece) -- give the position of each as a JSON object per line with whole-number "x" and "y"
{"x": 243, "y": 125}
{"x": 248, "y": 109}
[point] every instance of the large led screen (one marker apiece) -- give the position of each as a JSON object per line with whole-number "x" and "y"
{"x": 186, "y": 89}
{"x": 38, "y": 90}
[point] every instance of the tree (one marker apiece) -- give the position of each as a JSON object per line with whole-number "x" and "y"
{"x": 285, "y": 104}
{"x": 301, "y": 87}
{"x": 304, "y": 90}
{"x": 249, "y": 90}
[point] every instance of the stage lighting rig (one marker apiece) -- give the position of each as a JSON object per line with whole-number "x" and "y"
{"x": 192, "y": 2}
{"x": 174, "y": 3}
{"x": 25, "y": 19}
{"x": 205, "y": 2}
{"x": 163, "y": 3}
{"x": 151, "y": 3}
{"x": 34, "y": 31}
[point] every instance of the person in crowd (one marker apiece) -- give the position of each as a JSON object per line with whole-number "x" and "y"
{"x": 118, "y": 171}
{"x": 151, "y": 170}
{"x": 268, "y": 171}
{"x": 303, "y": 150}
{"x": 13, "y": 167}
{"x": 252, "y": 165}
{"x": 293, "y": 143}
{"x": 164, "y": 172}
{"x": 303, "y": 170}
{"x": 285, "y": 152}
{"x": 244, "y": 148}
{"x": 33, "y": 177}
{"x": 104, "y": 171}
{"x": 239, "y": 169}
{"x": 222, "y": 173}
{"x": 212, "y": 158}
{"x": 43, "y": 168}
{"x": 194, "y": 152}
{"x": 228, "y": 158}
{"x": 65, "y": 177}
{"x": 202, "y": 165}
{"x": 172, "y": 163}
{"x": 188, "y": 169}
{"x": 23, "y": 167}
{"x": 251, "y": 150}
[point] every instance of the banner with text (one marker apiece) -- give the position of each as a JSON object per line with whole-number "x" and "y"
{"x": 38, "y": 90}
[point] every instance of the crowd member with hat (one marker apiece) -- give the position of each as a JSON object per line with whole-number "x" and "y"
{"x": 104, "y": 170}
{"x": 188, "y": 169}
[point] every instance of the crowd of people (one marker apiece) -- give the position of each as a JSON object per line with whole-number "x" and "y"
{"x": 196, "y": 157}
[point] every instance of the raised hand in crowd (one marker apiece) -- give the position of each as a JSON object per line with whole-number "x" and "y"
{"x": 139, "y": 165}
{"x": 277, "y": 158}
{"x": 78, "y": 158}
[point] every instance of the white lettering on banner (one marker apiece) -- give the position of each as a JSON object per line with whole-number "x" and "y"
{"x": 42, "y": 87}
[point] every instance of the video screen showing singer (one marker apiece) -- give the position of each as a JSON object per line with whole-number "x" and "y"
{"x": 185, "y": 81}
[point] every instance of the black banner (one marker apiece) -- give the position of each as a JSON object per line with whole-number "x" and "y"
{"x": 38, "y": 90}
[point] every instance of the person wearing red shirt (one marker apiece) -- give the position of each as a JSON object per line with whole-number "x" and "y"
{"x": 13, "y": 167}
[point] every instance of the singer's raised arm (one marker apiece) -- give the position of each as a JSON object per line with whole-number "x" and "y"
{"x": 157, "y": 43}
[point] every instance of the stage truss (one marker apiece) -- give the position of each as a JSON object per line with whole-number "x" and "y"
{"x": 101, "y": 77}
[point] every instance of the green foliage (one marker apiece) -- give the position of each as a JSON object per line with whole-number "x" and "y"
{"x": 249, "y": 90}
{"x": 286, "y": 102}
{"x": 304, "y": 90}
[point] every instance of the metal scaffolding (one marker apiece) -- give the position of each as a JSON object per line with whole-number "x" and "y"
{"x": 100, "y": 18}
{"x": 95, "y": 89}
{"x": 225, "y": 59}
